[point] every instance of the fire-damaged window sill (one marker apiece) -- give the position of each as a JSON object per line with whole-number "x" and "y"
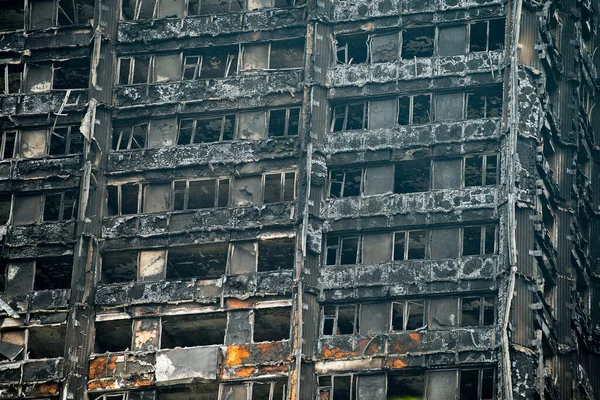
{"x": 41, "y": 103}
{"x": 31, "y": 371}
{"x": 195, "y": 290}
{"x": 345, "y": 10}
{"x": 39, "y": 300}
{"x": 43, "y": 232}
{"x": 202, "y": 154}
{"x": 213, "y": 25}
{"x": 246, "y": 217}
{"x": 245, "y": 86}
{"x": 416, "y": 68}
{"x": 39, "y": 167}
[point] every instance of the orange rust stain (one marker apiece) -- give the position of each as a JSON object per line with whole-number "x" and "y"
{"x": 335, "y": 353}
{"x": 244, "y": 372}
{"x": 104, "y": 384}
{"x": 236, "y": 303}
{"x": 397, "y": 364}
{"x": 48, "y": 388}
{"x": 415, "y": 336}
{"x": 236, "y": 355}
{"x": 112, "y": 364}
{"x": 97, "y": 367}
{"x": 144, "y": 382}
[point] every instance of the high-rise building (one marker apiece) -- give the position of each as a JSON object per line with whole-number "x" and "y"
{"x": 299, "y": 199}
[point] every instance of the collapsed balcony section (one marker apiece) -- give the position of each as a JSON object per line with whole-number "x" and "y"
{"x": 201, "y": 273}
{"x": 170, "y": 345}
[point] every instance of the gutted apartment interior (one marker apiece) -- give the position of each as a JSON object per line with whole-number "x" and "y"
{"x": 299, "y": 200}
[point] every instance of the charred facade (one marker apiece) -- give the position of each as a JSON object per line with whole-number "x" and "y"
{"x": 299, "y": 199}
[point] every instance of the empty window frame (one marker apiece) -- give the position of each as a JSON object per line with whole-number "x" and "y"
{"x": 199, "y": 194}
{"x": 343, "y": 250}
{"x": 410, "y": 245}
{"x": 412, "y": 176}
{"x": 475, "y": 384}
{"x": 131, "y": 137}
{"x": 477, "y": 311}
{"x": 207, "y": 130}
{"x": 113, "y": 336}
{"x": 210, "y": 7}
{"x": 414, "y": 110}
{"x": 408, "y": 315}
{"x": 279, "y": 54}
{"x": 124, "y": 198}
{"x": 119, "y": 266}
{"x": 60, "y": 206}
{"x": 481, "y": 170}
{"x": 139, "y": 9}
{"x": 478, "y": 240}
{"x": 350, "y": 117}
{"x": 403, "y": 385}
{"x": 345, "y": 183}
{"x": 134, "y": 69}
{"x": 207, "y": 261}
{"x": 339, "y": 387}
{"x": 217, "y": 62}
{"x": 11, "y": 76}
{"x": 273, "y": 390}
{"x": 272, "y": 324}
{"x": 352, "y": 49}
{"x": 279, "y": 187}
{"x": 53, "y": 273}
{"x": 42, "y": 14}
{"x": 193, "y": 330}
{"x": 65, "y": 140}
{"x": 284, "y": 122}
{"x": 418, "y": 42}
{"x": 8, "y": 147}
{"x": 484, "y": 103}
{"x": 71, "y": 74}
{"x": 487, "y": 35}
{"x": 340, "y": 320}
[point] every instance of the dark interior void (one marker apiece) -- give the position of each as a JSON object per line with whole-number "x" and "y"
{"x": 279, "y": 187}
{"x": 206, "y": 130}
{"x": 412, "y": 176}
{"x": 66, "y": 140}
{"x": 46, "y": 341}
{"x": 287, "y": 54}
{"x": 194, "y": 391}
{"x": 61, "y": 206}
{"x": 53, "y": 273}
{"x": 119, "y": 266}
{"x": 3, "y": 265}
{"x": 405, "y": 386}
{"x": 271, "y": 324}
{"x": 193, "y": 330}
{"x": 75, "y": 12}
{"x": 345, "y": 183}
{"x": 12, "y": 16}
{"x": 284, "y": 122}
{"x": 209, "y": 7}
{"x": 477, "y": 311}
{"x": 113, "y": 336}
{"x": 477, "y": 384}
{"x": 263, "y": 390}
{"x": 352, "y": 49}
{"x": 202, "y": 262}
{"x": 71, "y": 74}
{"x": 276, "y": 254}
{"x": 5, "y": 203}
{"x": 408, "y": 315}
{"x": 212, "y": 62}
{"x": 418, "y": 42}
{"x": 487, "y": 35}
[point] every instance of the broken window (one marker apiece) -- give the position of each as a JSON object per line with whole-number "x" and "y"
{"x": 384, "y": 47}
{"x": 447, "y": 174}
{"x": 444, "y": 243}
{"x": 284, "y": 122}
{"x": 199, "y": 194}
{"x": 131, "y": 137}
{"x": 345, "y": 183}
{"x": 279, "y": 187}
{"x": 11, "y": 75}
{"x": 272, "y": 324}
{"x": 12, "y": 16}
{"x": 12, "y": 344}
{"x": 449, "y": 107}
{"x": 418, "y": 42}
{"x": 119, "y": 266}
{"x": 139, "y": 9}
{"x": 352, "y": 49}
{"x": 378, "y": 180}
{"x": 477, "y": 311}
{"x": 65, "y": 140}
{"x": 196, "y": 391}
{"x": 210, "y": 7}
{"x": 340, "y": 320}
{"x": 27, "y": 209}
{"x": 124, "y": 198}
{"x": 20, "y": 276}
{"x": 42, "y": 14}
{"x": 162, "y": 132}
{"x": 405, "y": 386}
{"x": 46, "y": 341}
{"x": 207, "y": 130}
{"x": 408, "y": 315}
{"x": 479, "y": 240}
{"x": 71, "y": 12}
{"x": 487, "y": 35}
{"x": 203, "y": 262}
{"x": 476, "y": 384}
{"x": 275, "y": 390}
{"x": 243, "y": 258}
{"x": 193, "y": 330}
{"x": 33, "y": 143}
{"x": 167, "y": 67}
{"x": 376, "y": 248}
{"x": 217, "y": 62}
{"x": 38, "y": 77}
{"x": 338, "y": 387}
{"x": 286, "y": 54}
{"x": 247, "y": 191}
{"x": 152, "y": 264}
{"x": 61, "y": 206}
{"x": 343, "y": 250}
{"x": 484, "y": 103}
{"x": 452, "y": 40}
{"x": 5, "y": 205}
{"x": 350, "y": 117}
{"x": 381, "y": 113}
{"x": 481, "y": 170}
{"x": 443, "y": 313}
{"x": 413, "y": 110}
{"x": 374, "y": 318}
{"x": 53, "y": 273}
{"x": 412, "y": 176}
{"x": 113, "y": 336}
{"x": 416, "y": 248}
{"x": 133, "y": 70}
{"x": 71, "y": 74}
{"x": 8, "y": 147}
{"x": 255, "y": 57}
{"x": 276, "y": 254}
{"x": 252, "y": 125}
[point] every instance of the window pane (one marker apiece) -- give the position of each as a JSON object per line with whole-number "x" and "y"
{"x": 356, "y": 117}
{"x": 352, "y": 183}
{"x": 491, "y": 170}
{"x": 294, "y": 122}
{"x": 399, "y": 245}
{"x": 208, "y": 130}
{"x": 473, "y": 171}
{"x": 470, "y": 311}
{"x": 201, "y": 194}
{"x": 421, "y": 109}
{"x": 416, "y": 315}
{"x": 471, "y": 241}
{"x": 277, "y": 123}
{"x": 416, "y": 245}
{"x": 349, "y": 251}
{"x": 346, "y": 321}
